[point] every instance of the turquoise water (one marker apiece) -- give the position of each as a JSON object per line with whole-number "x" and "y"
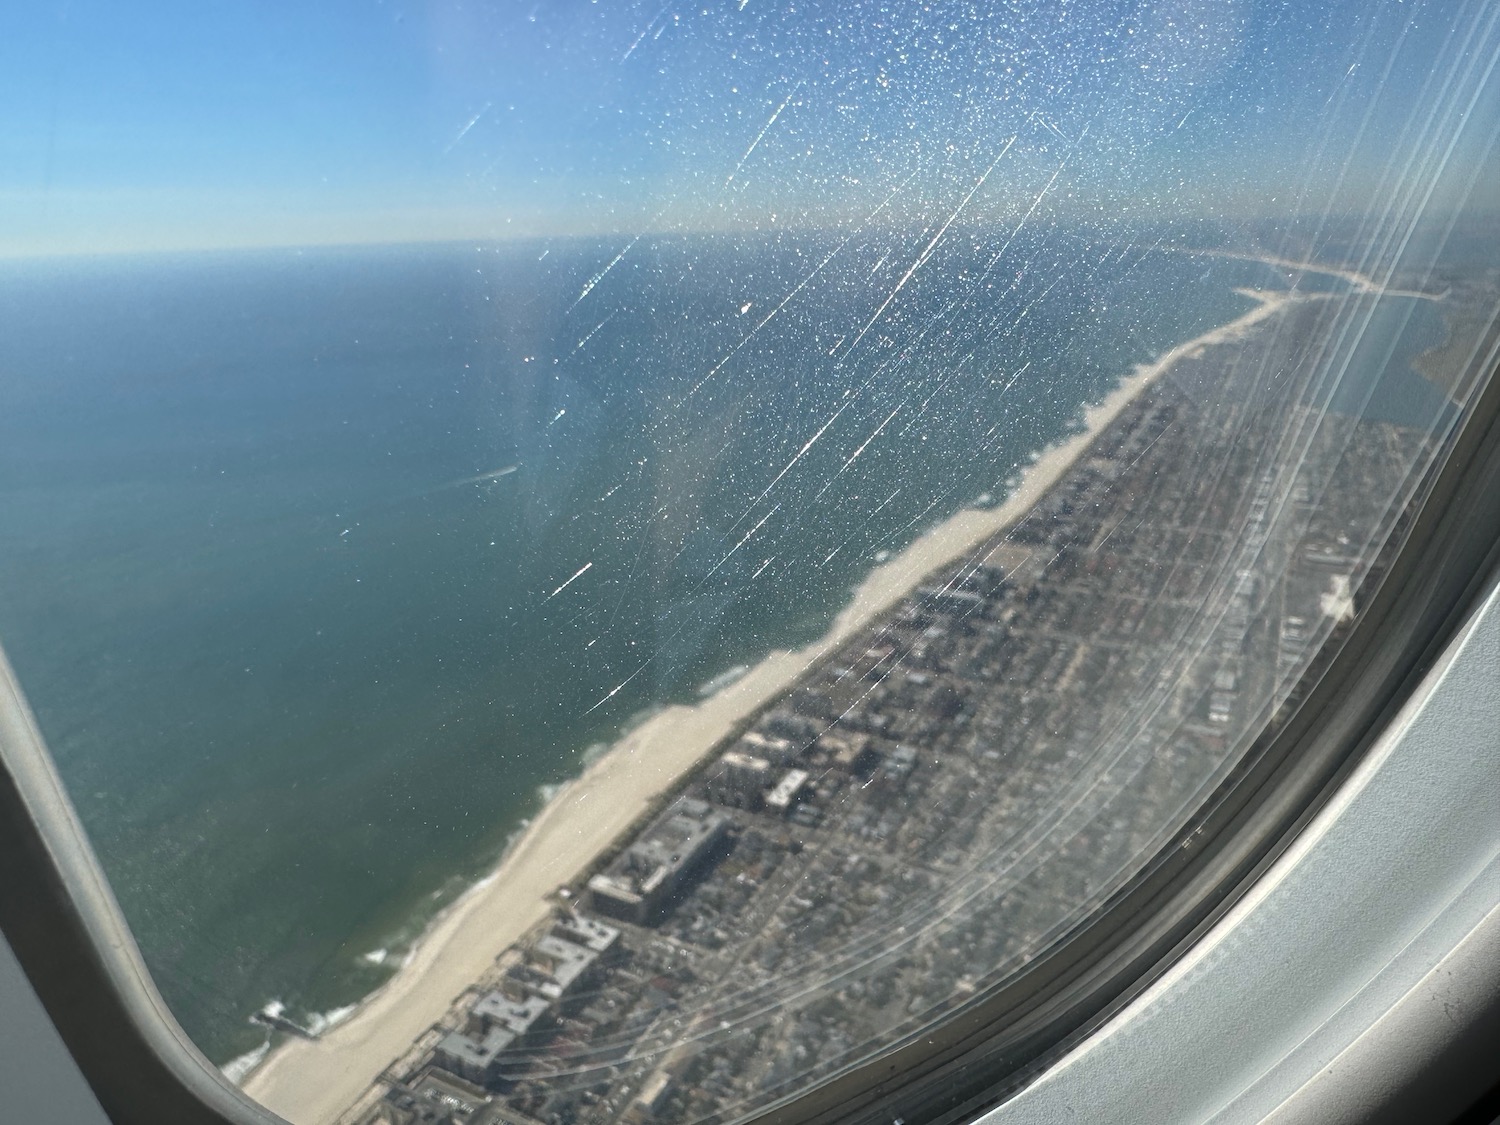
{"x": 320, "y": 567}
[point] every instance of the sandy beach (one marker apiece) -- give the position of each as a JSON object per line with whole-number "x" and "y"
{"x": 314, "y": 1082}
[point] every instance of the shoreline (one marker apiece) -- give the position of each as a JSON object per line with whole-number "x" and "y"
{"x": 1357, "y": 281}
{"x": 315, "y": 1082}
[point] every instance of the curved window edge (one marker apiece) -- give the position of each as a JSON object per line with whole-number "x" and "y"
{"x": 1360, "y": 982}
{"x": 66, "y": 930}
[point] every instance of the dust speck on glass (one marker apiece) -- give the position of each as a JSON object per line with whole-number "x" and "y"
{"x": 591, "y": 562}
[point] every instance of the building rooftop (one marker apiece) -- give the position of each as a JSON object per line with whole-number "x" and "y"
{"x": 515, "y": 1016}
{"x": 563, "y": 961}
{"x": 589, "y": 932}
{"x": 770, "y": 746}
{"x": 672, "y": 841}
{"x": 649, "y": 870}
{"x": 734, "y": 759}
{"x": 787, "y": 789}
{"x": 471, "y": 1053}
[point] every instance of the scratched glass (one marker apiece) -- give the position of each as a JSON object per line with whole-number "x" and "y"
{"x": 591, "y": 563}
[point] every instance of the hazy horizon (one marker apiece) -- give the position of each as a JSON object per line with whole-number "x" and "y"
{"x": 179, "y": 129}
{"x": 1186, "y": 234}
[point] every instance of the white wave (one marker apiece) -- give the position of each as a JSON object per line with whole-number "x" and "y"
{"x": 273, "y": 1008}
{"x": 375, "y": 956}
{"x": 593, "y": 752}
{"x": 325, "y": 1021}
{"x": 722, "y": 680}
{"x": 238, "y": 1069}
{"x": 549, "y": 789}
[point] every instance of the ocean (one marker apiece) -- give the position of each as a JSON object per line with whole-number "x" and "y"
{"x": 323, "y": 568}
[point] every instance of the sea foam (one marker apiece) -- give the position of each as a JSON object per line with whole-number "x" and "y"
{"x": 326, "y": 1021}
{"x": 238, "y": 1069}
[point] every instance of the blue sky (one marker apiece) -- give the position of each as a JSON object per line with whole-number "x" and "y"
{"x": 224, "y": 124}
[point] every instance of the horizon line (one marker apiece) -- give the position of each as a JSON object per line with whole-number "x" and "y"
{"x": 483, "y": 240}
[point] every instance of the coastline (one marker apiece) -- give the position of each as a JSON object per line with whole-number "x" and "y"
{"x": 1357, "y": 281}
{"x": 315, "y": 1082}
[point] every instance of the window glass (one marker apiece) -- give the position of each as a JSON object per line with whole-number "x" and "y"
{"x": 596, "y": 562}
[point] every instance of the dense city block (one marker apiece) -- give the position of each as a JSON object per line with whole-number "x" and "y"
{"x": 953, "y": 791}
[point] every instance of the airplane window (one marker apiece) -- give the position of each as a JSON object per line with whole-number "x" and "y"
{"x": 592, "y": 562}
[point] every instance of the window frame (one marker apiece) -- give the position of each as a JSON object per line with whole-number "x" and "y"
{"x": 1360, "y": 982}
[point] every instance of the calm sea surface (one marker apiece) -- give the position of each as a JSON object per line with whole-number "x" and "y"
{"x": 321, "y": 567}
